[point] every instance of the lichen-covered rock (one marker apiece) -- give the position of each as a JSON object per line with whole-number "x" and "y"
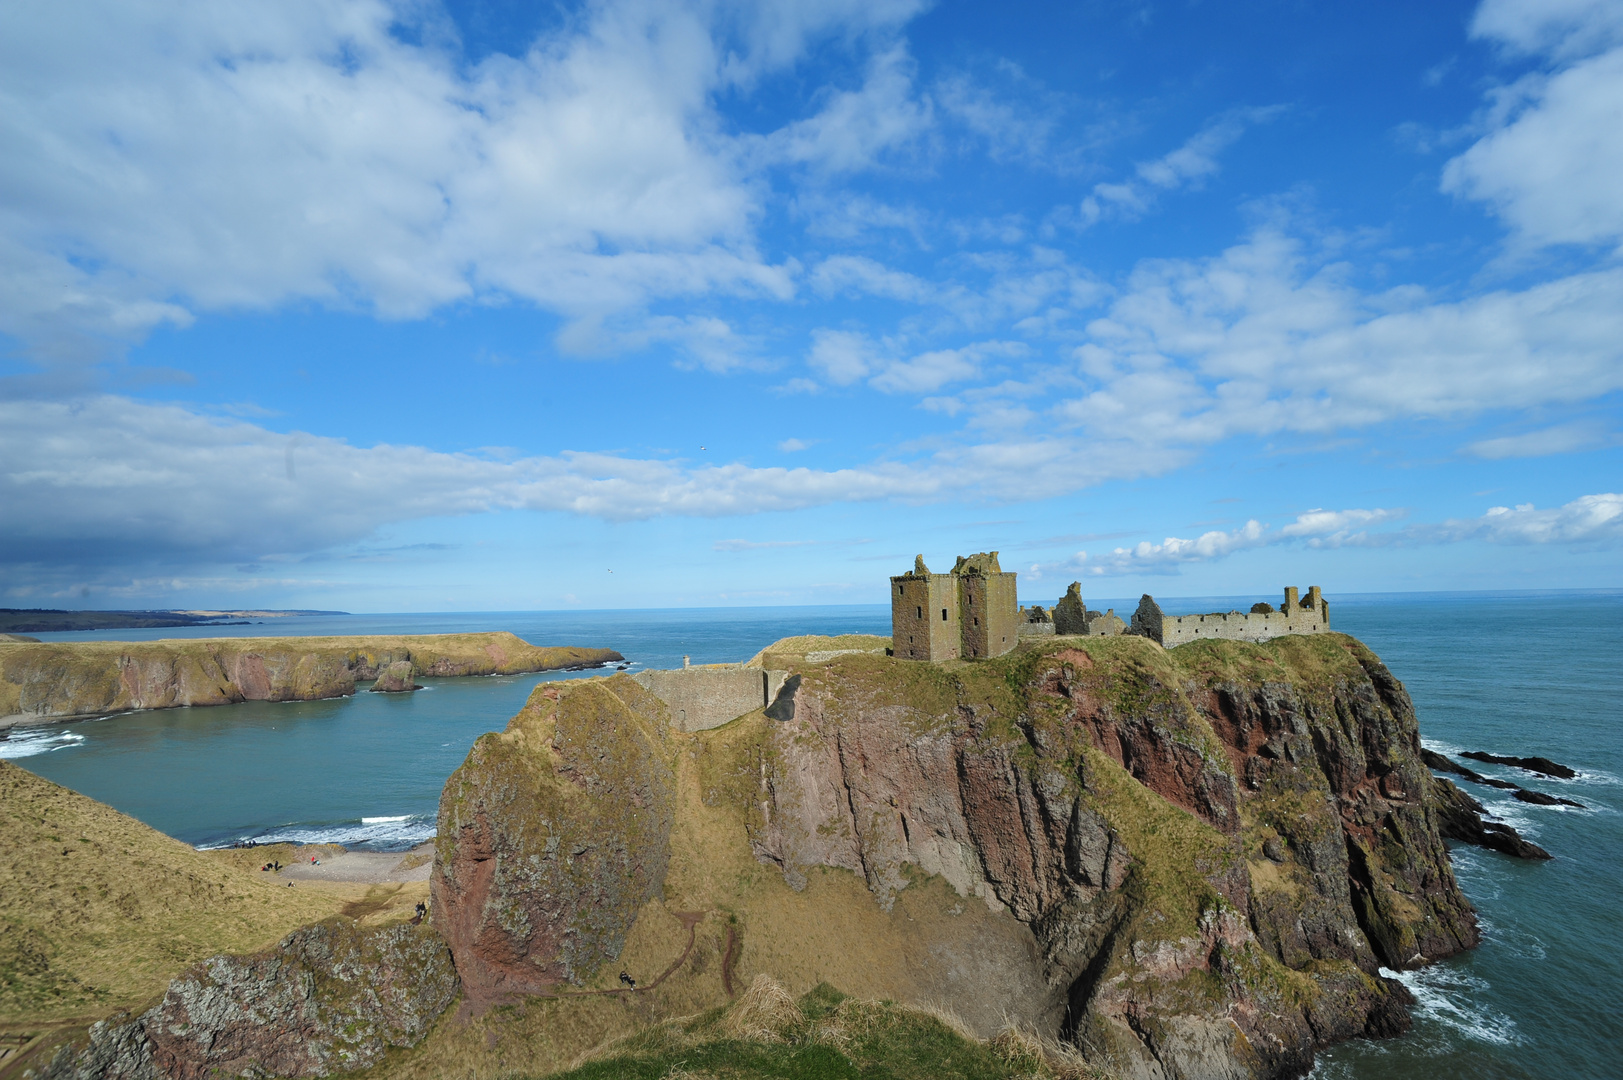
{"x": 1216, "y": 847}
{"x": 552, "y": 835}
{"x": 330, "y": 998}
{"x": 396, "y": 678}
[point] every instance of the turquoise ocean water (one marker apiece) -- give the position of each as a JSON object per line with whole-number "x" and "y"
{"x": 1514, "y": 674}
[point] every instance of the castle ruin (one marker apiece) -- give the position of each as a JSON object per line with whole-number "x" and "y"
{"x": 973, "y": 612}
{"x": 1309, "y": 614}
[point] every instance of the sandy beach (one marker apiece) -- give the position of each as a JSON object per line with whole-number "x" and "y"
{"x": 366, "y": 867}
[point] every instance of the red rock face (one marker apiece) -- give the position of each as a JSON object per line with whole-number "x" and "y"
{"x": 552, "y": 835}
{"x": 1316, "y": 857}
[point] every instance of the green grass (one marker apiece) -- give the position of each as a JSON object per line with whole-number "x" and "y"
{"x": 822, "y": 1036}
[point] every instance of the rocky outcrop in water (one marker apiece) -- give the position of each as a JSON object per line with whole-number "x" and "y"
{"x": 552, "y": 835}
{"x": 45, "y": 683}
{"x": 1543, "y": 766}
{"x": 397, "y": 678}
{"x": 330, "y": 998}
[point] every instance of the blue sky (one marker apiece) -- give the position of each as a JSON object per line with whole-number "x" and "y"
{"x": 469, "y": 306}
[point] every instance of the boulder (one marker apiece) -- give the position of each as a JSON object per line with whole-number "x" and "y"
{"x": 397, "y": 678}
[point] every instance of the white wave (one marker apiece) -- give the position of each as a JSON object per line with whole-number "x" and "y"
{"x": 1451, "y": 997}
{"x": 385, "y": 834}
{"x": 27, "y": 743}
{"x": 1437, "y": 746}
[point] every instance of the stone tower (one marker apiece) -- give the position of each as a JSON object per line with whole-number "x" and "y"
{"x": 971, "y": 613}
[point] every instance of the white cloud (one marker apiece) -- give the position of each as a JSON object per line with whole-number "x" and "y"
{"x": 110, "y": 480}
{"x": 1010, "y": 131}
{"x": 1550, "y": 168}
{"x": 860, "y": 275}
{"x": 1264, "y": 339}
{"x": 1553, "y": 149}
{"x": 162, "y": 159}
{"x": 1590, "y": 519}
{"x": 1560, "y": 439}
{"x": 855, "y": 129}
{"x": 844, "y": 357}
{"x": 794, "y": 446}
{"x": 841, "y": 356}
{"x": 1146, "y": 557}
{"x": 1186, "y": 167}
{"x": 930, "y": 371}
{"x": 1558, "y": 27}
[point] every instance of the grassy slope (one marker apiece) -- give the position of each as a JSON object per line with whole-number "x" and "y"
{"x": 825, "y": 1035}
{"x": 98, "y": 912}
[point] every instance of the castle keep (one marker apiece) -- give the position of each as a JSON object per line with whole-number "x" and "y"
{"x": 973, "y": 612}
{"x": 970, "y": 613}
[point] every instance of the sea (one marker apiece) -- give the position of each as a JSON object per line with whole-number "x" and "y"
{"x": 1509, "y": 673}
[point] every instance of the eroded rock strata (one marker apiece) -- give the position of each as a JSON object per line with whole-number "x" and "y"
{"x": 1215, "y": 849}
{"x": 330, "y": 998}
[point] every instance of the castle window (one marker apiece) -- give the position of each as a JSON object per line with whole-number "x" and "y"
{"x": 977, "y": 620}
{"x": 943, "y": 614}
{"x": 921, "y": 612}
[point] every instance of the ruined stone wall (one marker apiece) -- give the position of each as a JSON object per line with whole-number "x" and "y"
{"x": 701, "y": 698}
{"x": 1108, "y": 624}
{"x": 1310, "y": 616}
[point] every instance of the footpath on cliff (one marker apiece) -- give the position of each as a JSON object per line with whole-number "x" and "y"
{"x": 1128, "y": 861}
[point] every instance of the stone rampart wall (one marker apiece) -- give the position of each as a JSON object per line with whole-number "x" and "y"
{"x": 1240, "y": 626}
{"x": 701, "y": 698}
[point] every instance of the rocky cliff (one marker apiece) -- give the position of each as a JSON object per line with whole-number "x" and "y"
{"x": 1195, "y": 861}
{"x": 1211, "y": 851}
{"x": 552, "y": 836}
{"x": 42, "y": 683}
{"x": 330, "y": 998}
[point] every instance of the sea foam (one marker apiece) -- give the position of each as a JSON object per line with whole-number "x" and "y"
{"x": 27, "y": 743}
{"x": 1451, "y": 997}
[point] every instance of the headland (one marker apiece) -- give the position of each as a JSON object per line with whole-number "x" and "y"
{"x": 55, "y": 682}
{"x": 1089, "y": 854}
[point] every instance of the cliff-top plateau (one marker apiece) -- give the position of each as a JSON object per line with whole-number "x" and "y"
{"x": 1113, "y": 859}
{"x": 52, "y": 682}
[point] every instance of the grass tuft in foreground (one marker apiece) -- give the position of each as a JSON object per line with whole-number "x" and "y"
{"x": 826, "y": 1036}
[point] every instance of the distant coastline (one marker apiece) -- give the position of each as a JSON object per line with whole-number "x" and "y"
{"x": 48, "y": 620}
